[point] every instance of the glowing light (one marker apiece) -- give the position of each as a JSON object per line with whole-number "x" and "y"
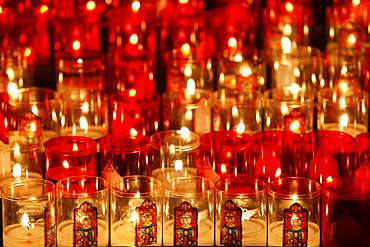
{"x": 135, "y": 6}
{"x": 240, "y": 128}
{"x": 75, "y": 147}
{"x": 184, "y": 132}
{"x": 43, "y": 9}
{"x": 185, "y": 49}
{"x": 25, "y": 221}
{"x": 183, "y": 1}
{"x": 190, "y": 86}
{"x": 137, "y": 195}
{"x": 134, "y": 216}
{"x": 351, "y": 39}
{"x": 232, "y": 43}
{"x": 289, "y": 7}
{"x": 27, "y": 52}
{"x": 356, "y": 2}
{"x": 329, "y": 179}
{"x": 90, "y": 5}
{"x": 278, "y": 173}
{"x": 133, "y": 132}
{"x": 343, "y": 122}
{"x": 83, "y": 123}
{"x": 286, "y": 44}
{"x": 17, "y": 171}
{"x": 33, "y": 127}
{"x": 294, "y": 88}
{"x": 132, "y": 93}
{"x": 65, "y": 164}
{"x": 10, "y": 73}
{"x": 134, "y": 39}
{"x": 35, "y": 110}
{"x": 246, "y": 71}
{"x": 80, "y": 61}
{"x": 295, "y": 126}
{"x": 76, "y": 45}
{"x": 85, "y": 107}
{"x": 12, "y": 89}
{"x": 178, "y": 165}
{"x": 294, "y": 197}
{"x": 223, "y": 168}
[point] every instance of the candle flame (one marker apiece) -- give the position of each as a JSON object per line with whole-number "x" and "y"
{"x": 75, "y": 147}
{"x": 43, "y": 9}
{"x": 90, "y": 5}
{"x": 27, "y": 52}
{"x": 134, "y": 216}
{"x": 185, "y": 49}
{"x": 25, "y": 221}
{"x": 12, "y": 89}
{"x": 295, "y": 126}
{"x": 232, "y": 43}
{"x": 134, "y": 39}
{"x": 76, "y": 45}
{"x": 184, "y": 132}
{"x": 343, "y": 122}
{"x": 278, "y": 173}
{"x": 329, "y": 179}
{"x": 294, "y": 88}
{"x": 65, "y": 164}
{"x": 356, "y": 2}
{"x": 294, "y": 197}
{"x": 137, "y": 195}
{"x": 286, "y": 44}
{"x": 289, "y": 7}
{"x": 190, "y": 86}
{"x": 183, "y": 1}
{"x": 240, "y": 128}
{"x": 35, "y": 110}
{"x": 351, "y": 39}
{"x": 85, "y": 107}
{"x": 178, "y": 165}
{"x": 135, "y": 6}
{"x": 84, "y": 125}
{"x": 132, "y": 93}
{"x": 246, "y": 71}
{"x": 133, "y": 132}
{"x": 223, "y": 168}
{"x": 17, "y": 171}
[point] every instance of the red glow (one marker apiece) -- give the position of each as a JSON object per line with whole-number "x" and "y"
{"x": 181, "y": 35}
{"x": 43, "y": 9}
{"x": 23, "y": 38}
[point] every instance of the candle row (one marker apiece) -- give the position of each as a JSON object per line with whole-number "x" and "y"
{"x": 195, "y": 211}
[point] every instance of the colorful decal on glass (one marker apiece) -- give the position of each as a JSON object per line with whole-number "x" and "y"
{"x": 231, "y": 224}
{"x": 186, "y": 225}
{"x": 85, "y": 225}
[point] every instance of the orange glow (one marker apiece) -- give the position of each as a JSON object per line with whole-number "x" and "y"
{"x": 134, "y": 39}
{"x": 289, "y": 7}
{"x": 278, "y": 173}
{"x": 43, "y": 9}
{"x": 356, "y": 2}
{"x": 329, "y": 179}
{"x": 228, "y": 154}
{"x": 133, "y": 132}
{"x": 90, "y": 5}
{"x": 1, "y": 10}
{"x": 76, "y": 45}
{"x": 75, "y": 147}
{"x": 185, "y": 49}
{"x": 65, "y": 164}
{"x": 132, "y": 93}
{"x": 183, "y": 1}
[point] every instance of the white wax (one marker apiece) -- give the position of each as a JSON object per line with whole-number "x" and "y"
{"x": 165, "y": 173}
{"x": 205, "y": 233}
{"x": 94, "y": 132}
{"x": 16, "y": 236}
{"x": 351, "y": 129}
{"x": 123, "y": 234}
{"x": 275, "y": 234}
{"x": 253, "y": 232}
{"x": 65, "y": 233}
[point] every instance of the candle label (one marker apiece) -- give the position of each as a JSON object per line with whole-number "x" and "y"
{"x": 49, "y": 219}
{"x": 146, "y": 227}
{"x": 205, "y": 169}
{"x": 295, "y": 226}
{"x": 295, "y": 121}
{"x": 345, "y": 231}
{"x": 186, "y": 225}
{"x": 231, "y": 224}
{"x": 110, "y": 173}
{"x": 85, "y": 225}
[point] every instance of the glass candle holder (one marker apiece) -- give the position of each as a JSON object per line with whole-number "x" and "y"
{"x": 84, "y": 113}
{"x": 4, "y": 117}
{"x": 70, "y": 156}
{"x": 362, "y": 155}
{"x": 241, "y": 212}
{"x": 173, "y": 154}
{"x": 223, "y": 153}
{"x": 236, "y": 110}
{"x": 136, "y": 211}
{"x": 134, "y": 112}
{"x": 82, "y": 204}
{"x": 344, "y": 212}
{"x": 123, "y": 155}
{"x": 188, "y": 215}
{"x": 294, "y": 212}
{"x": 343, "y": 109}
{"x": 36, "y": 110}
{"x": 241, "y": 69}
{"x": 187, "y": 108}
{"x": 289, "y": 109}
{"x": 28, "y": 210}
{"x": 327, "y": 154}
{"x": 275, "y": 154}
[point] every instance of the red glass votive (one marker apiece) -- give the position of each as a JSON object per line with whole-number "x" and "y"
{"x": 70, "y": 156}
{"x": 123, "y": 155}
{"x": 362, "y": 156}
{"x": 4, "y": 117}
{"x": 275, "y": 154}
{"x": 222, "y": 154}
{"x": 327, "y": 154}
{"x": 345, "y": 212}
{"x": 134, "y": 112}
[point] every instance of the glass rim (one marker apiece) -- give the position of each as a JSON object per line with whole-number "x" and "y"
{"x": 168, "y": 182}
{"x": 260, "y": 184}
{"x": 168, "y": 96}
{"x": 143, "y": 142}
{"x": 52, "y": 145}
{"x": 306, "y": 181}
{"x": 307, "y": 138}
{"x": 339, "y": 194}
{"x": 14, "y": 99}
{"x": 135, "y": 178}
{"x": 223, "y": 133}
{"x": 22, "y": 182}
{"x": 258, "y": 137}
{"x": 65, "y": 96}
{"x": 186, "y": 146}
{"x": 77, "y": 179}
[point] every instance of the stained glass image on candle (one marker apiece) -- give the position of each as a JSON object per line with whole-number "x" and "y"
{"x": 85, "y": 225}
{"x": 294, "y": 212}
{"x": 327, "y": 154}
{"x": 240, "y": 212}
{"x": 134, "y": 111}
{"x": 136, "y": 211}
{"x": 186, "y": 225}
{"x": 289, "y": 109}
{"x": 70, "y": 156}
{"x": 188, "y": 216}
{"x": 275, "y": 154}
{"x": 345, "y": 212}
{"x": 83, "y": 211}
{"x": 28, "y": 213}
